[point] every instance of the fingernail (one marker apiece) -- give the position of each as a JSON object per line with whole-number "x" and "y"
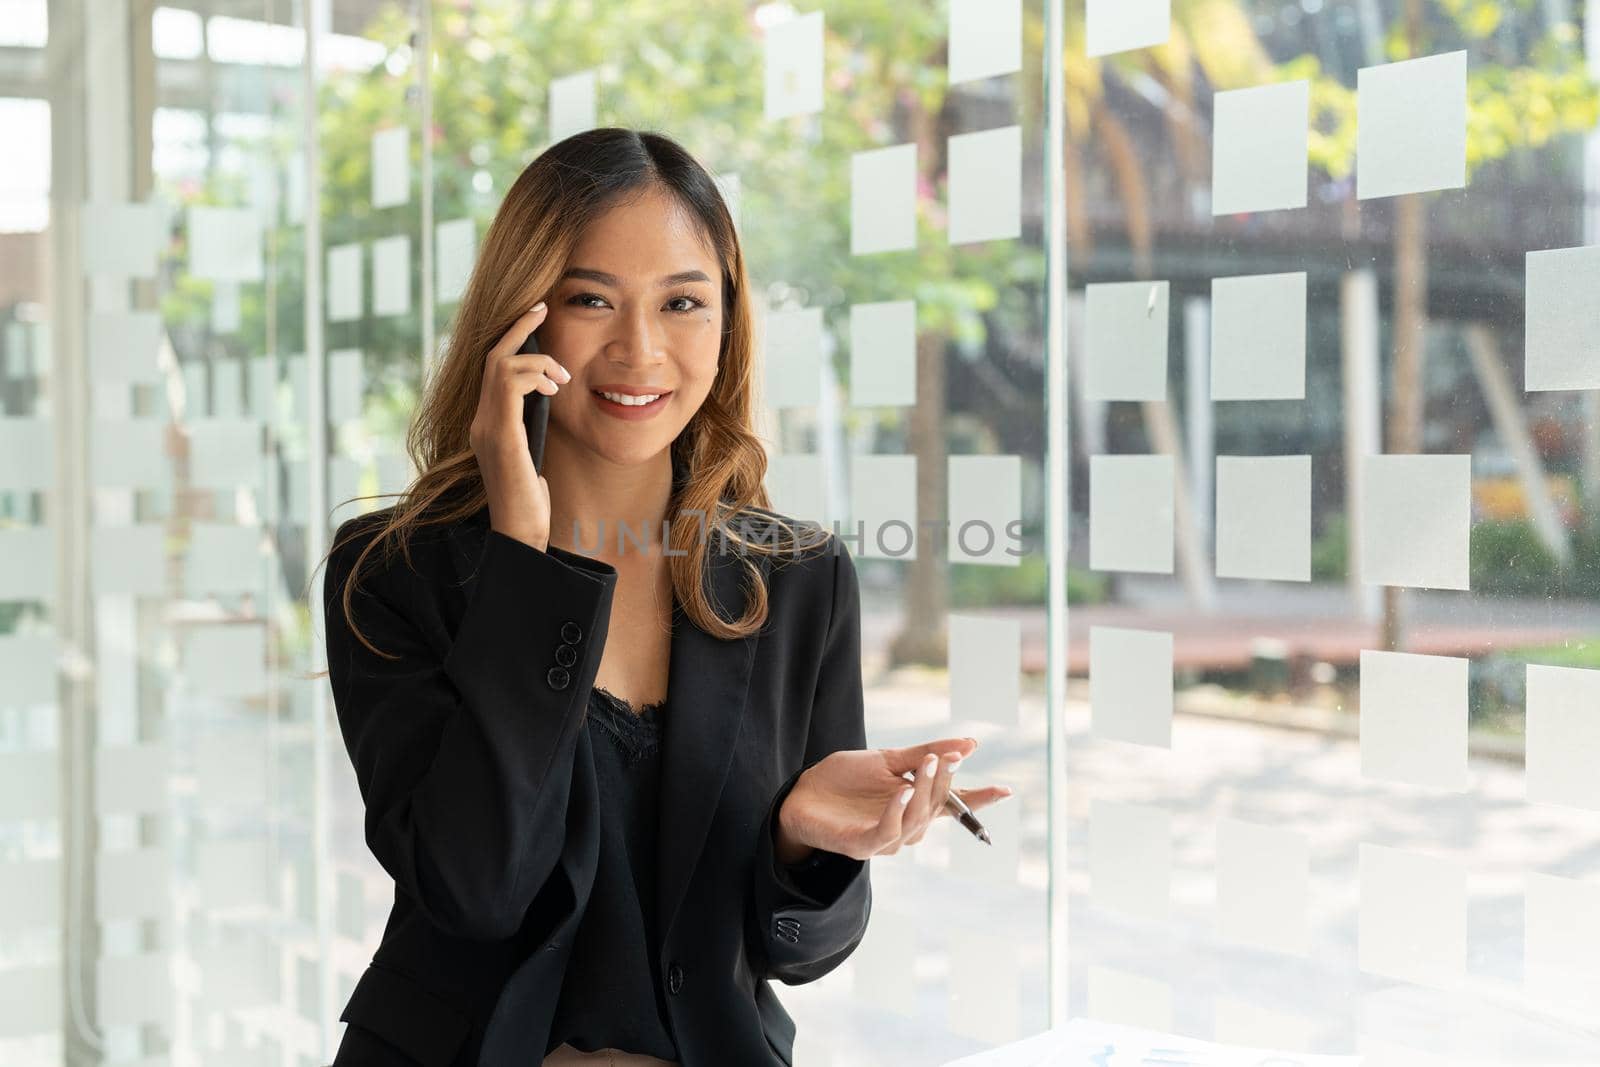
{"x": 905, "y": 796}
{"x": 565, "y": 374}
{"x": 954, "y": 764}
{"x": 537, "y": 307}
{"x": 929, "y": 764}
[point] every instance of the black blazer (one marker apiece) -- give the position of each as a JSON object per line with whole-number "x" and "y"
{"x": 477, "y": 777}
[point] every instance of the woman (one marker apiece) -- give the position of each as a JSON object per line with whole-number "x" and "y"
{"x": 620, "y": 782}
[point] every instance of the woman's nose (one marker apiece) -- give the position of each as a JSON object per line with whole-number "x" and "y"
{"x": 636, "y": 339}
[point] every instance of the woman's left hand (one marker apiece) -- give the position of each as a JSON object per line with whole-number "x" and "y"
{"x": 849, "y": 802}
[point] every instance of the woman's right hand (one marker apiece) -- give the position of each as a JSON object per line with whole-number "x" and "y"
{"x": 519, "y": 496}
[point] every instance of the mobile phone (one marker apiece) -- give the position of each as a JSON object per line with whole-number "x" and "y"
{"x": 535, "y": 411}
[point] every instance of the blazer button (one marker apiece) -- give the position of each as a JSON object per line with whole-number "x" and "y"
{"x": 571, "y": 632}
{"x": 566, "y": 655}
{"x": 786, "y": 929}
{"x": 557, "y": 677}
{"x": 674, "y": 979}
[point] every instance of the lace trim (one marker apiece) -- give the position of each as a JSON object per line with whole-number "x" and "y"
{"x": 636, "y": 733}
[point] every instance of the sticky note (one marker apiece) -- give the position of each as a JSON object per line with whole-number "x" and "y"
{"x": 1561, "y": 325}
{"x": 132, "y": 779}
{"x": 133, "y": 884}
{"x": 1411, "y": 126}
{"x": 27, "y": 562}
{"x": 224, "y": 560}
{"x": 456, "y": 250}
{"x": 1263, "y": 527}
{"x": 129, "y": 453}
{"x": 344, "y": 384}
{"x": 1130, "y": 858}
{"x": 1413, "y": 921}
{"x": 196, "y": 400}
{"x": 232, "y": 766}
{"x": 1130, "y": 685}
{"x": 233, "y": 872}
{"x": 1121, "y": 25}
{"x": 1414, "y": 719}
{"x": 794, "y": 66}
{"x": 883, "y": 353}
{"x": 1561, "y": 946}
{"x": 227, "y": 393}
{"x": 985, "y": 185}
{"x": 1117, "y": 996}
{"x": 129, "y": 560}
{"x": 1243, "y": 1022}
{"x": 226, "y": 453}
{"x": 28, "y": 664}
{"x": 121, "y": 240}
{"x": 985, "y": 39}
{"x": 29, "y": 781}
{"x": 796, "y": 484}
{"x": 883, "y": 507}
{"x": 1259, "y": 142}
{"x": 572, "y": 104}
{"x": 391, "y": 275}
{"x": 135, "y": 990}
{"x": 391, "y": 167}
{"x": 27, "y": 454}
{"x": 793, "y": 356}
{"x": 1263, "y": 886}
{"x": 123, "y": 346}
{"x": 1125, "y": 338}
{"x": 1563, "y": 736}
{"x": 263, "y": 377}
{"x": 985, "y": 662}
{"x": 985, "y": 990}
{"x": 225, "y": 659}
{"x": 225, "y": 243}
{"x": 344, "y": 283}
{"x": 22, "y": 905}
{"x": 238, "y": 969}
{"x": 985, "y": 510}
{"x": 883, "y": 200}
{"x": 1258, "y": 337}
{"x": 225, "y": 309}
{"x": 1416, "y": 518}
{"x": 880, "y": 959}
{"x": 1130, "y": 513}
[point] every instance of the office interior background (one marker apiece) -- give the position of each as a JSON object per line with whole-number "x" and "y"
{"x": 1216, "y": 382}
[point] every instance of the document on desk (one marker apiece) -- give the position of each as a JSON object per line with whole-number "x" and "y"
{"x": 1087, "y": 1043}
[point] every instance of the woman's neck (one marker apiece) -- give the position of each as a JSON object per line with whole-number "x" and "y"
{"x": 607, "y": 512}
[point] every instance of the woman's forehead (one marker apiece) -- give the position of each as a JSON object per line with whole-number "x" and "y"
{"x": 641, "y": 234}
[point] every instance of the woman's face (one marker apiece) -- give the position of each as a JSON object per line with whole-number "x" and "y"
{"x": 638, "y": 310}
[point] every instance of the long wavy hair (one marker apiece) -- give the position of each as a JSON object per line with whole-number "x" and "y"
{"x": 719, "y": 463}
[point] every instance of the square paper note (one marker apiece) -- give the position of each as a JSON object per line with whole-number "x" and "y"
{"x": 1126, "y": 337}
{"x": 1411, "y": 126}
{"x": 1121, "y": 25}
{"x": 1258, "y": 337}
{"x": 1258, "y": 148}
{"x": 1264, "y": 517}
{"x": 1130, "y": 685}
{"x": 883, "y": 200}
{"x": 1414, "y": 719}
{"x": 794, "y": 66}
{"x": 1416, "y": 521}
{"x": 1130, "y": 513}
{"x": 1562, "y": 327}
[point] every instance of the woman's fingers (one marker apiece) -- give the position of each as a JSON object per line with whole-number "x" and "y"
{"x": 892, "y": 819}
{"x": 526, "y": 323}
{"x": 945, "y": 774}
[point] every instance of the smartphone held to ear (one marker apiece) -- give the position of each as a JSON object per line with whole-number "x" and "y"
{"x": 535, "y": 411}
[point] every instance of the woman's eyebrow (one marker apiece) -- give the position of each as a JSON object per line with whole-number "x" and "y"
{"x": 600, "y": 276}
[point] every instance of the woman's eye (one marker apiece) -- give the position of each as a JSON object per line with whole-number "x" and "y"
{"x": 582, "y": 300}
{"x": 684, "y": 303}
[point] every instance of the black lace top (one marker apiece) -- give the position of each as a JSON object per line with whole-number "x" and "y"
{"x": 612, "y": 994}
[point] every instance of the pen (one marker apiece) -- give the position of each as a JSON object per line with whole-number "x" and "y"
{"x": 962, "y": 813}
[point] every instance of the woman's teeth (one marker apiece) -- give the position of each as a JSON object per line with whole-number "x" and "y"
{"x": 632, "y": 401}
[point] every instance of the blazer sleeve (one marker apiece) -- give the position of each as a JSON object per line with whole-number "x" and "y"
{"x": 809, "y": 917}
{"x": 464, "y": 762}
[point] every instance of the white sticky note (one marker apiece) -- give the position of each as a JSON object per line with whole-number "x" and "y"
{"x": 132, "y": 779}
{"x": 225, "y": 310}
{"x": 225, "y": 659}
{"x": 232, "y": 767}
{"x": 1258, "y": 337}
{"x": 793, "y": 356}
{"x": 796, "y": 484}
{"x": 1259, "y": 142}
{"x": 1411, "y": 126}
{"x": 985, "y": 663}
{"x": 794, "y": 66}
{"x": 225, "y": 243}
{"x": 880, "y": 960}
{"x": 572, "y": 104}
{"x": 344, "y": 283}
{"x": 129, "y": 453}
{"x": 732, "y": 189}
{"x": 135, "y": 884}
{"x": 1120, "y": 25}
{"x": 1563, "y": 736}
{"x": 985, "y": 510}
{"x": 227, "y": 393}
{"x": 135, "y": 990}
{"x": 391, "y": 167}
{"x": 22, "y": 904}
{"x": 1130, "y": 999}
{"x": 239, "y": 969}
{"x": 1130, "y": 858}
{"x": 129, "y": 560}
{"x": 883, "y": 354}
{"x": 195, "y": 392}
{"x": 1416, "y": 520}
{"x": 985, "y": 185}
{"x": 985, "y": 990}
{"x": 1130, "y": 685}
{"x": 883, "y": 507}
{"x": 344, "y": 384}
{"x": 1263, "y": 525}
{"x": 121, "y": 240}
{"x": 1263, "y": 886}
{"x": 233, "y": 872}
{"x": 985, "y": 39}
{"x": 28, "y": 664}
{"x": 1561, "y": 325}
{"x": 1241, "y": 1022}
{"x": 263, "y": 377}
{"x": 1414, "y": 719}
{"x": 883, "y": 200}
{"x": 224, "y": 560}
{"x": 1125, "y": 338}
{"x": 391, "y": 275}
{"x": 27, "y": 454}
{"x": 29, "y": 781}
{"x": 30, "y": 1002}
{"x": 226, "y": 453}
{"x": 27, "y": 562}
{"x": 123, "y": 346}
{"x": 455, "y": 250}
{"x": 1413, "y": 923}
{"x": 1561, "y": 947}
{"x": 296, "y": 371}
{"x": 1130, "y": 513}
